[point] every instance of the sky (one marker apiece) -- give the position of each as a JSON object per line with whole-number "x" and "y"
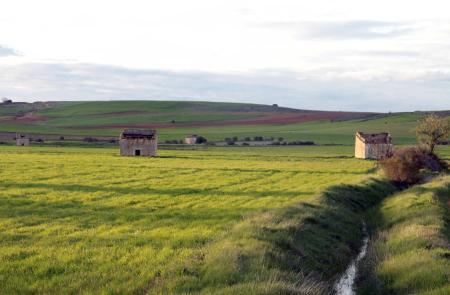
{"x": 353, "y": 55}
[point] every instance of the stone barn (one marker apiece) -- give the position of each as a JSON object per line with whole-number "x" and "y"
{"x": 373, "y": 145}
{"x": 22, "y": 140}
{"x": 190, "y": 139}
{"x": 134, "y": 142}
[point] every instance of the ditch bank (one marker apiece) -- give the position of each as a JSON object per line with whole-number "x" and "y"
{"x": 301, "y": 249}
{"x": 409, "y": 245}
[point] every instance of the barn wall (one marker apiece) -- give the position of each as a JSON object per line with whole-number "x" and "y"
{"x": 22, "y": 141}
{"x": 360, "y": 149}
{"x": 190, "y": 140}
{"x": 148, "y": 147}
{"x": 378, "y": 151}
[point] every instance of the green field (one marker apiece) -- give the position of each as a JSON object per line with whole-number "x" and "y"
{"x": 410, "y": 249}
{"x": 272, "y": 220}
{"x": 87, "y": 220}
{"x": 215, "y": 121}
{"x": 198, "y": 219}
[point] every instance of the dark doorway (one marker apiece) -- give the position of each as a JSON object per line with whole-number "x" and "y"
{"x": 137, "y": 152}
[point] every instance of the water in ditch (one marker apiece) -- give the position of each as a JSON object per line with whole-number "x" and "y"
{"x": 346, "y": 283}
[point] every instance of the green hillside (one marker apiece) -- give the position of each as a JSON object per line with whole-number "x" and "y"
{"x": 175, "y": 119}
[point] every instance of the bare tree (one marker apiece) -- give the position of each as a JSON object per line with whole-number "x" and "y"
{"x": 431, "y": 130}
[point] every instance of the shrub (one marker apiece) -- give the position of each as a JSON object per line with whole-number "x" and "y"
{"x": 61, "y": 137}
{"x": 299, "y": 142}
{"x": 200, "y": 140}
{"x": 174, "y": 141}
{"x": 406, "y": 163}
{"x": 90, "y": 139}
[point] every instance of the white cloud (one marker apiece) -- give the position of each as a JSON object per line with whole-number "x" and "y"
{"x": 329, "y": 44}
{"x": 7, "y": 51}
{"x": 341, "y": 30}
{"x": 306, "y": 90}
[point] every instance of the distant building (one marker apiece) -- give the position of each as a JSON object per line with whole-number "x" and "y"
{"x": 195, "y": 139}
{"x": 22, "y": 140}
{"x": 135, "y": 142}
{"x": 373, "y": 145}
{"x": 190, "y": 139}
{"x": 6, "y": 101}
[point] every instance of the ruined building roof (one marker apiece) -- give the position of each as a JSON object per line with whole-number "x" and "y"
{"x": 374, "y": 138}
{"x": 138, "y": 133}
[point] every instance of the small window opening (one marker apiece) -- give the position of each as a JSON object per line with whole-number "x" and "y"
{"x": 137, "y": 152}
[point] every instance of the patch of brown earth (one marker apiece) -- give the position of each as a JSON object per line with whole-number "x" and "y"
{"x": 28, "y": 118}
{"x": 265, "y": 119}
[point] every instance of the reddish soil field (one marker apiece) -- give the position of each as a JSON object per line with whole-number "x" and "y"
{"x": 266, "y": 119}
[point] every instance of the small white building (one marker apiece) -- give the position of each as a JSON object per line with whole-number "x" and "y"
{"x": 191, "y": 139}
{"x": 134, "y": 142}
{"x": 373, "y": 145}
{"x": 22, "y": 140}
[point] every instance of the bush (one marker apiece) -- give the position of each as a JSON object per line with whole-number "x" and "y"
{"x": 90, "y": 139}
{"x": 405, "y": 165}
{"x": 173, "y": 141}
{"x": 200, "y": 140}
{"x": 299, "y": 142}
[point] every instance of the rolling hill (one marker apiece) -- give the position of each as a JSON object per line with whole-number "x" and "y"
{"x": 175, "y": 119}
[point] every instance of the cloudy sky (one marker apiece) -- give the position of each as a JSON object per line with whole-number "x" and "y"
{"x": 357, "y": 55}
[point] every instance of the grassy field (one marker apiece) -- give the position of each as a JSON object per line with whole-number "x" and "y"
{"x": 410, "y": 252}
{"x": 212, "y": 120}
{"x": 224, "y": 220}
